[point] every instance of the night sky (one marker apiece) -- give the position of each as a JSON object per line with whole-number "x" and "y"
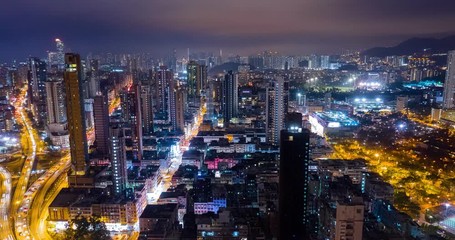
{"x": 240, "y": 26}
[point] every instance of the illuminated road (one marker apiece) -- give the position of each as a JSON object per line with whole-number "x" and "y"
{"x": 30, "y": 152}
{"x": 177, "y": 160}
{"x": 30, "y": 222}
{"x": 175, "y": 164}
{"x": 5, "y": 179}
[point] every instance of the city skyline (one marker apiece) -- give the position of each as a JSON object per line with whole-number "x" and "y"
{"x": 293, "y": 27}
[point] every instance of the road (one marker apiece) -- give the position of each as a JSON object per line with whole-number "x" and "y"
{"x": 5, "y": 187}
{"x": 32, "y": 213}
{"x": 23, "y": 181}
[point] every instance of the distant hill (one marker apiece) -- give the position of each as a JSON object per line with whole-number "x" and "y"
{"x": 414, "y": 45}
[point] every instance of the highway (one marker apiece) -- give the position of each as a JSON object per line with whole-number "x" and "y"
{"x": 5, "y": 187}
{"x": 30, "y": 222}
{"x": 23, "y": 181}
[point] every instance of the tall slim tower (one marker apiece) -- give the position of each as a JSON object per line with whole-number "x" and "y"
{"x": 163, "y": 77}
{"x": 75, "y": 113}
{"x": 293, "y": 180}
{"x": 56, "y": 109}
{"x": 132, "y": 115}
{"x": 118, "y": 159}
{"x": 276, "y": 109}
{"x": 57, "y": 126}
{"x": 37, "y": 89}
{"x": 101, "y": 120}
{"x": 230, "y": 97}
{"x": 197, "y": 80}
{"x": 147, "y": 109}
{"x": 449, "y": 84}
{"x": 177, "y": 109}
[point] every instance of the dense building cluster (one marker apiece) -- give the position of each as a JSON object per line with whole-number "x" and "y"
{"x": 239, "y": 147}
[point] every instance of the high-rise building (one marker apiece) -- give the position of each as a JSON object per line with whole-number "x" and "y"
{"x": 132, "y": 115}
{"x": 57, "y": 59}
{"x": 293, "y": 184}
{"x": 56, "y": 109}
{"x": 230, "y": 97}
{"x": 147, "y": 109}
{"x": 163, "y": 78}
{"x": 57, "y": 126}
{"x": 196, "y": 81}
{"x": 276, "y": 109}
{"x": 449, "y": 84}
{"x": 325, "y": 62}
{"x": 177, "y": 109}
{"x": 75, "y": 113}
{"x": 101, "y": 120}
{"x": 118, "y": 159}
{"x": 37, "y": 89}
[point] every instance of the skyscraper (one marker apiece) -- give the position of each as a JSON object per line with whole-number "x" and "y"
{"x": 177, "y": 109}
{"x": 57, "y": 59}
{"x": 37, "y": 89}
{"x": 163, "y": 77}
{"x": 230, "y": 97}
{"x": 147, "y": 109}
{"x": 197, "y": 80}
{"x": 57, "y": 126}
{"x": 132, "y": 115}
{"x": 56, "y": 109}
{"x": 118, "y": 158}
{"x": 75, "y": 113}
{"x": 101, "y": 119}
{"x": 276, "y": 109}
{"x": 449, "y": 84}
{"x": 293, "y": 184}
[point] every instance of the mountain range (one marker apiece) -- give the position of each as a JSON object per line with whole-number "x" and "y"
{"x": 414, "y": 45}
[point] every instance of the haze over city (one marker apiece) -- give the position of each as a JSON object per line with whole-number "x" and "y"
{"x": 238, "y": 27}
{"x": 227, "y": 120}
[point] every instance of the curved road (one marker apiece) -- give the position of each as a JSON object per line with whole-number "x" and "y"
{"x": 5, "y": 191}
{"x": 28, "y": 164}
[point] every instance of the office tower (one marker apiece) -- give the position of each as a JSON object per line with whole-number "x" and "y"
{"x": 37, "y": 89}
{"x": 276, "y": 109}
{"x": 163, "y": 78}
{"x": 101, "y": 120}
{"x": 75, "y": 113}
{"x": 118, "y": 158}
{"x": 293, "y": 184}
{"x": 132, "y": 115}
{"x": 197, "y": 80}
{"x": 177, "y": 109}
{"x": 230, "y": 97}
{"x": 449, "y": 84}
{"x": 349, "y": 219}
{"x": 147, "y": 109}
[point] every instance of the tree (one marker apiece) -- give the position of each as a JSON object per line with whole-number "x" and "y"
{"x": 82, "y": 228}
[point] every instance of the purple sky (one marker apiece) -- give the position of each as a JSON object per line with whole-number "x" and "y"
{"x": 240, "y": 26}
